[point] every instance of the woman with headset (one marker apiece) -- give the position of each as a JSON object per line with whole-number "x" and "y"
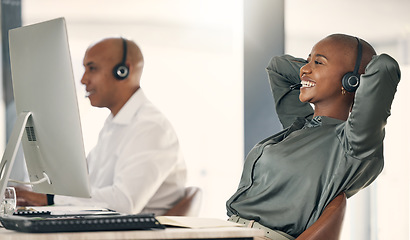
{"x": 335, "y": 146}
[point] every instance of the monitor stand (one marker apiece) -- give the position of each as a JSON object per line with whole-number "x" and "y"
{"x": 10, "y": 152}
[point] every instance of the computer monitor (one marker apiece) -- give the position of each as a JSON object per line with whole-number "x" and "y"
{"x": 48, "y": 121}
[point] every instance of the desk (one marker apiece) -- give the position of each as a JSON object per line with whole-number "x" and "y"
{"x": 169, "y": 233}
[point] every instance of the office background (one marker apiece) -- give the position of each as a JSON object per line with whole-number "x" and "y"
{"x": 205, "y": 62}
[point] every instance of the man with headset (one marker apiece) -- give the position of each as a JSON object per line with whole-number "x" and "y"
{"x": 137, "y": 165}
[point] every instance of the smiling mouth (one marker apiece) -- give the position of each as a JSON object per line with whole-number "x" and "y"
{"x": 307, "y": 84}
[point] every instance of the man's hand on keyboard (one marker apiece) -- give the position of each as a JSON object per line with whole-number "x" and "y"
{"x": 26, "y": 197}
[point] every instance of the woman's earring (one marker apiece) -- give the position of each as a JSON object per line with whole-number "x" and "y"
{"x": 343, "y": 91}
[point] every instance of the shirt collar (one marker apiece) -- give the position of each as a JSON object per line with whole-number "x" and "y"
{"x": 321, "y": 120}
{"x": 130, "y": 108}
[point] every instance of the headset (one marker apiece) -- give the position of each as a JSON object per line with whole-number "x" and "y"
{"x": 351, "y": 80}
{"x": 121, "y": 70}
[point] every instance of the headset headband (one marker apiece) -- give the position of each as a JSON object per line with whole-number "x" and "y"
{"x": 359, "y": 57}
{"x": 124, "y": 54}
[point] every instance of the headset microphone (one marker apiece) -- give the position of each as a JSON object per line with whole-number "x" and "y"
{"x": 121, "y": 70}
{"x": 351, "y": 80}
{"x": 295, "y": 86}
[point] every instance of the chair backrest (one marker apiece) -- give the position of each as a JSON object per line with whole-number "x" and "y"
{"x": 189, "y": 205}
{"x": 329, "y": 224}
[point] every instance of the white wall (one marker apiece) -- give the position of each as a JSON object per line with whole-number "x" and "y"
{"x": 393, "y": 184}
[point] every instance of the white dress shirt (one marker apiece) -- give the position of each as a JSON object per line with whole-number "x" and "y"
{"x": 137, "y": 165}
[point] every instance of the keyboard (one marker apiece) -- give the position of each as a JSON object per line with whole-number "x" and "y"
{"x": 83, "y": 223}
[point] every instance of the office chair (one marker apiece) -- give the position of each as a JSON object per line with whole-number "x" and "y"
{"x": 189, "y": 205}
{"x": 329, "y": 224}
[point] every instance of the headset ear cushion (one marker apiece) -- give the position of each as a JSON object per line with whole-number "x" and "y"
{"x": 350, "y": 82}
{"x": 120, "y": 71}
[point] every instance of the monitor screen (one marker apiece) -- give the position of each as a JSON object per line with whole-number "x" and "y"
{"x": 48, "y": 120}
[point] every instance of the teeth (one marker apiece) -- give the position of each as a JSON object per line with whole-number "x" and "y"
{"x": 308, "y": 84}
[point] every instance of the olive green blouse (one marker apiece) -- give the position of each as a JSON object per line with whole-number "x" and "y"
{"x": 290, "y": 177}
